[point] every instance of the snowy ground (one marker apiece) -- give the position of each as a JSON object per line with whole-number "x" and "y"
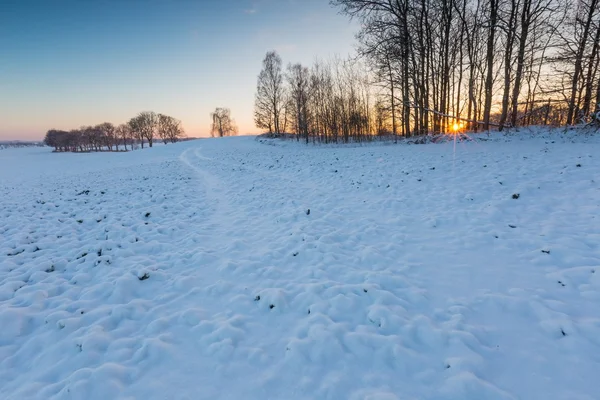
{"x": 194, "y": 271}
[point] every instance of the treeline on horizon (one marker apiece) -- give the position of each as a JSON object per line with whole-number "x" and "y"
{"x": 433, "y": 66}
{"x": 147, "y": 126}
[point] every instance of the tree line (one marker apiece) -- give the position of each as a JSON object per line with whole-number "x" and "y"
{"x": 147, "y": 126}
{"x": 330, "y": 101}
{"x": 442, "y": 65}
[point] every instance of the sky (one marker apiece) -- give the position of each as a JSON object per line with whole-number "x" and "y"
{"x": 68, "y": 63}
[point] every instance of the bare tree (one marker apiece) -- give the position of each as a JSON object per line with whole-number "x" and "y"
{"x": 298, "y": 80}
{"x": 270, "y": 96}
{"x": 585, "y": 12}
{"x": 169, "y": 128}
{"x": 148, "y": 121}
{"x": 164, "y": 122}
{"x": 107, "y": 138}
{"x": 123, "y": 133}
{"x": 592, "y": 76}
{"x": 144, "y": 126}
{"x": 509, "y": 26}
{"x": 492, "y": 24}
{"x": 91, "y": 138}
{"x": 382, "y": 118}
{"x": 136, "y": 130}
{"x": 531, "y": 12}
{"x": 222, "y": 123}
{"x": 54, "y": 139}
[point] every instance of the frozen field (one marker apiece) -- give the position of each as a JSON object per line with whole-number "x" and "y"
{"x": 196, "y": 271}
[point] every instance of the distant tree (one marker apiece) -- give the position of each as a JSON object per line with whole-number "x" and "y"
{"x": 136, "y": 130}
{"x": 177, "y": 132}
{"x": 169, "y": 128}
{"x": 70, "y": 140}
{"x": 164, "y": 122}
{"x": 222, "y": 123}
{"x": 53, "y": 138}
{"x": 270, "y": 96}
{"x": 145, "y": 126}
{"x": 299, "y": 82}
{"x": 90, "y": 138}
{"x": 148, "y": 125}
{"x": 123, "y": 133}
{"x": 107, "y": 135}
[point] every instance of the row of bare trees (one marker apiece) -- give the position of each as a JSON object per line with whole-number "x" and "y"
{"x": 438, "y": 65}
{"x": 486, "y": 63}
{"x": 147, "y": 126}
{"x": 329, "y": 101}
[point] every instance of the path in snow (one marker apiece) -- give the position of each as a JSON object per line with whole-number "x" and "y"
{"x": 195, "y": 271}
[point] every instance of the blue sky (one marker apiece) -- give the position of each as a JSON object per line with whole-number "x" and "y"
{"x": 66, "y": 63}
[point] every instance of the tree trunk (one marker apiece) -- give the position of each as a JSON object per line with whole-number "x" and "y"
{"x": 579, "y": 61}
{"x": 598, "y": 98}
{"x": 591, "y": 73}
{"x": 393, "y": 100}
{"x": 487, "y": 107}
{"x": 510, "y": 35}
{"x": 525, "y": 23}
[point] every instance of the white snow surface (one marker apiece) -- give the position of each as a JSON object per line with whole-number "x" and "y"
{"x": 194, "y": 271}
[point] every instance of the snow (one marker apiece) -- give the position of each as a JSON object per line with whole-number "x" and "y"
{"x": 196, "y": 271}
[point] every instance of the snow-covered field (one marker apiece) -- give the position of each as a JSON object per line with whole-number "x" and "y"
{"x": 196, "y": 271}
